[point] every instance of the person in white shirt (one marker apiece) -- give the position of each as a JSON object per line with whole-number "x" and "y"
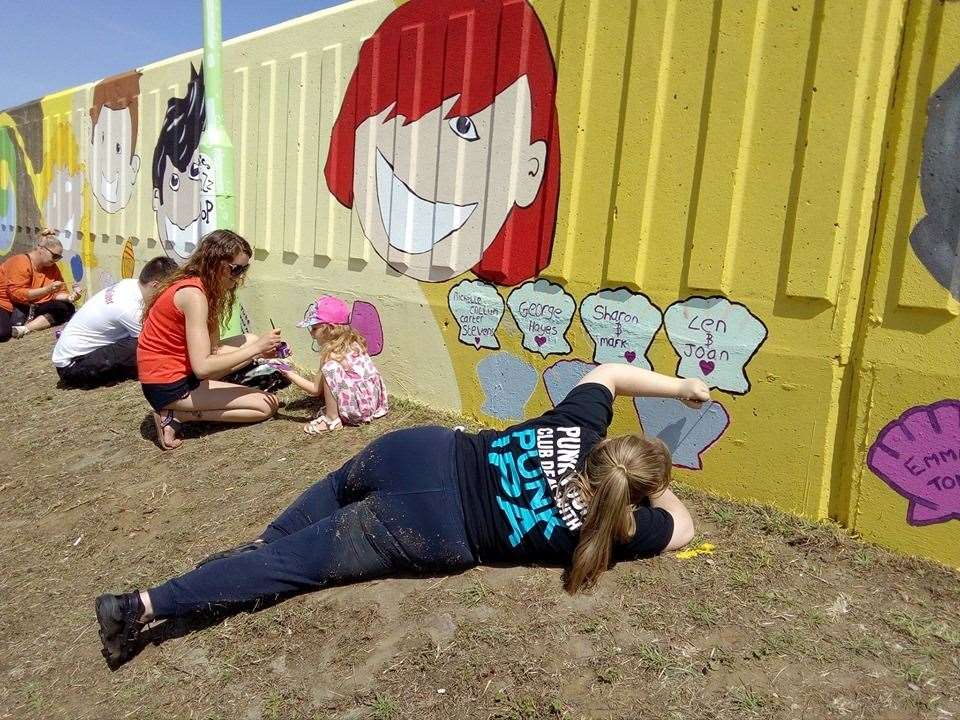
{"x": 99, "y": 344}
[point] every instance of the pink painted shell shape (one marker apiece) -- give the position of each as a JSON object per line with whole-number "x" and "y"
{"x": 918, "y": 455}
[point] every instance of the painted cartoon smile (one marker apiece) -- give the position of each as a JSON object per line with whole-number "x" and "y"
{"x": 413, "y": 224}
{"x": 110, "y": 189}
{"x": 182, "y": 241}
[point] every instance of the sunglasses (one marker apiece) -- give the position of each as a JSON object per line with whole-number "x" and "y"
{"x": 54, "y": 256}
{"x": 238, "y": 270}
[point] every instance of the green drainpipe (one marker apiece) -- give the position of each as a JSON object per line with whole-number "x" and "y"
{"x": 218, "y": 201}
{"x": 215, "y": 143}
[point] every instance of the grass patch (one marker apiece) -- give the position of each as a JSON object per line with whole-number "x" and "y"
{"x": 383, "y": 707}
{"x": 780, "y": 642}
{"x": 921, "y": 628}
{"x": 720, "y": 514}
{"x": 703, "y": 613}
{"x": 751, "y": 702}
{"x": 662, "y": 663}
{"x": 529, "y": 707}
{"x": 863, "y": 644}
{"x": 474, "y": 594}
{"x": 785, "y": 613}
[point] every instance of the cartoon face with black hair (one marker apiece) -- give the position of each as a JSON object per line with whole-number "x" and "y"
{"x": 180, "y": 173}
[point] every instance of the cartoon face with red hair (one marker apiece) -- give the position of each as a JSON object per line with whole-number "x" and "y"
{"x": 447, "y": 144}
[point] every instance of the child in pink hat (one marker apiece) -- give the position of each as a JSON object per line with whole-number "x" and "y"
{"x": 348, "y": 381}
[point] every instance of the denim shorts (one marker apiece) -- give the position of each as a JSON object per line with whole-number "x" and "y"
{"x": 159, "y": 395}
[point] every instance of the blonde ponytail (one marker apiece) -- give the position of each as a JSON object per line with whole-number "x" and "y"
{"x": 618, "y": 474}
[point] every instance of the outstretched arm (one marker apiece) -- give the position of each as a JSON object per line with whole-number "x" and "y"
{"x": 631, "y": 381}
{"x": 636, "y": 382}
{"x": 311, "y": 387}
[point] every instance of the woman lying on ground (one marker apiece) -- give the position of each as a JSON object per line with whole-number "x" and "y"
{"x": 180, "y": 356}
{"x": 552, "y": 490}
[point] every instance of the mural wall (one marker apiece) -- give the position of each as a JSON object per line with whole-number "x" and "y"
{"x": 904, "y": 475}
{"x": 512, "y": 191}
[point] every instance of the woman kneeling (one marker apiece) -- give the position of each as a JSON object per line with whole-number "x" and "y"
{"x": 180, "y": 356}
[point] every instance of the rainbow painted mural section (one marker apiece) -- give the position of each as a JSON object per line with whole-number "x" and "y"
{"x": 511, "y": 191}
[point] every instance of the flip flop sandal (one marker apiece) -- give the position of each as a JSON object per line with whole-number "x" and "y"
{"x": 160, "y": 423}
{"x": 322, "y": 424}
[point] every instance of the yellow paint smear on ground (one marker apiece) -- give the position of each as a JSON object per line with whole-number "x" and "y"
{"x": 701, "y": 549}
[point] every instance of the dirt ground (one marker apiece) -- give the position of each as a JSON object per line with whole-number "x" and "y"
{"x": 784, "y": 620}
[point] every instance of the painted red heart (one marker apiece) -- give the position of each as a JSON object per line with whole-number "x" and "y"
{"x": 540, "y": 340}
{"x": 630, "y": 355}
{"x": 706, "y": 366}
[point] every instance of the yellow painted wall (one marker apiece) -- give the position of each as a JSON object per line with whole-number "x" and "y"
{"x": 909, "y": 334}
{"x": 763, "y": 152}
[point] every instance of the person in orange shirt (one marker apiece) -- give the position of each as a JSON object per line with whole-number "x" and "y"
{"x": 33, "y": 295}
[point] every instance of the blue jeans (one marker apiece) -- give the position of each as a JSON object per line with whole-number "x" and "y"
{"x": 392, "y": 508}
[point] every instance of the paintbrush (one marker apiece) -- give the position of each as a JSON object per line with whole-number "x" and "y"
{"x": 283, "y": 350}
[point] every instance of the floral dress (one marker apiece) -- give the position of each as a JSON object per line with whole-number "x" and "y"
{"x": 358, "y": 387}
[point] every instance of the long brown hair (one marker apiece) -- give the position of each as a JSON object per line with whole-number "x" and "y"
{"x": 337, "y": 340}
{"x": 205, "y": 263}
{"x": 617, "y": 475}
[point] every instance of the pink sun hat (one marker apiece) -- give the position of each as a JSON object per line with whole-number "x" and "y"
{"x": 326, "y": 309}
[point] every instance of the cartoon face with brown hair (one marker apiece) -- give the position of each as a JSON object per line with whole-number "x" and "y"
{"x": 114, "y": 164}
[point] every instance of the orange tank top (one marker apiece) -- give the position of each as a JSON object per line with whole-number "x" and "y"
{"x": 162, "y": 348}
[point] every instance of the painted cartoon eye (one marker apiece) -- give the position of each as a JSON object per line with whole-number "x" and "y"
{"x": 464, "y": 128}
{"x": 194, "y": 171}
{"x": 117, "y": 148}
{"x": 174, "y": 181}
